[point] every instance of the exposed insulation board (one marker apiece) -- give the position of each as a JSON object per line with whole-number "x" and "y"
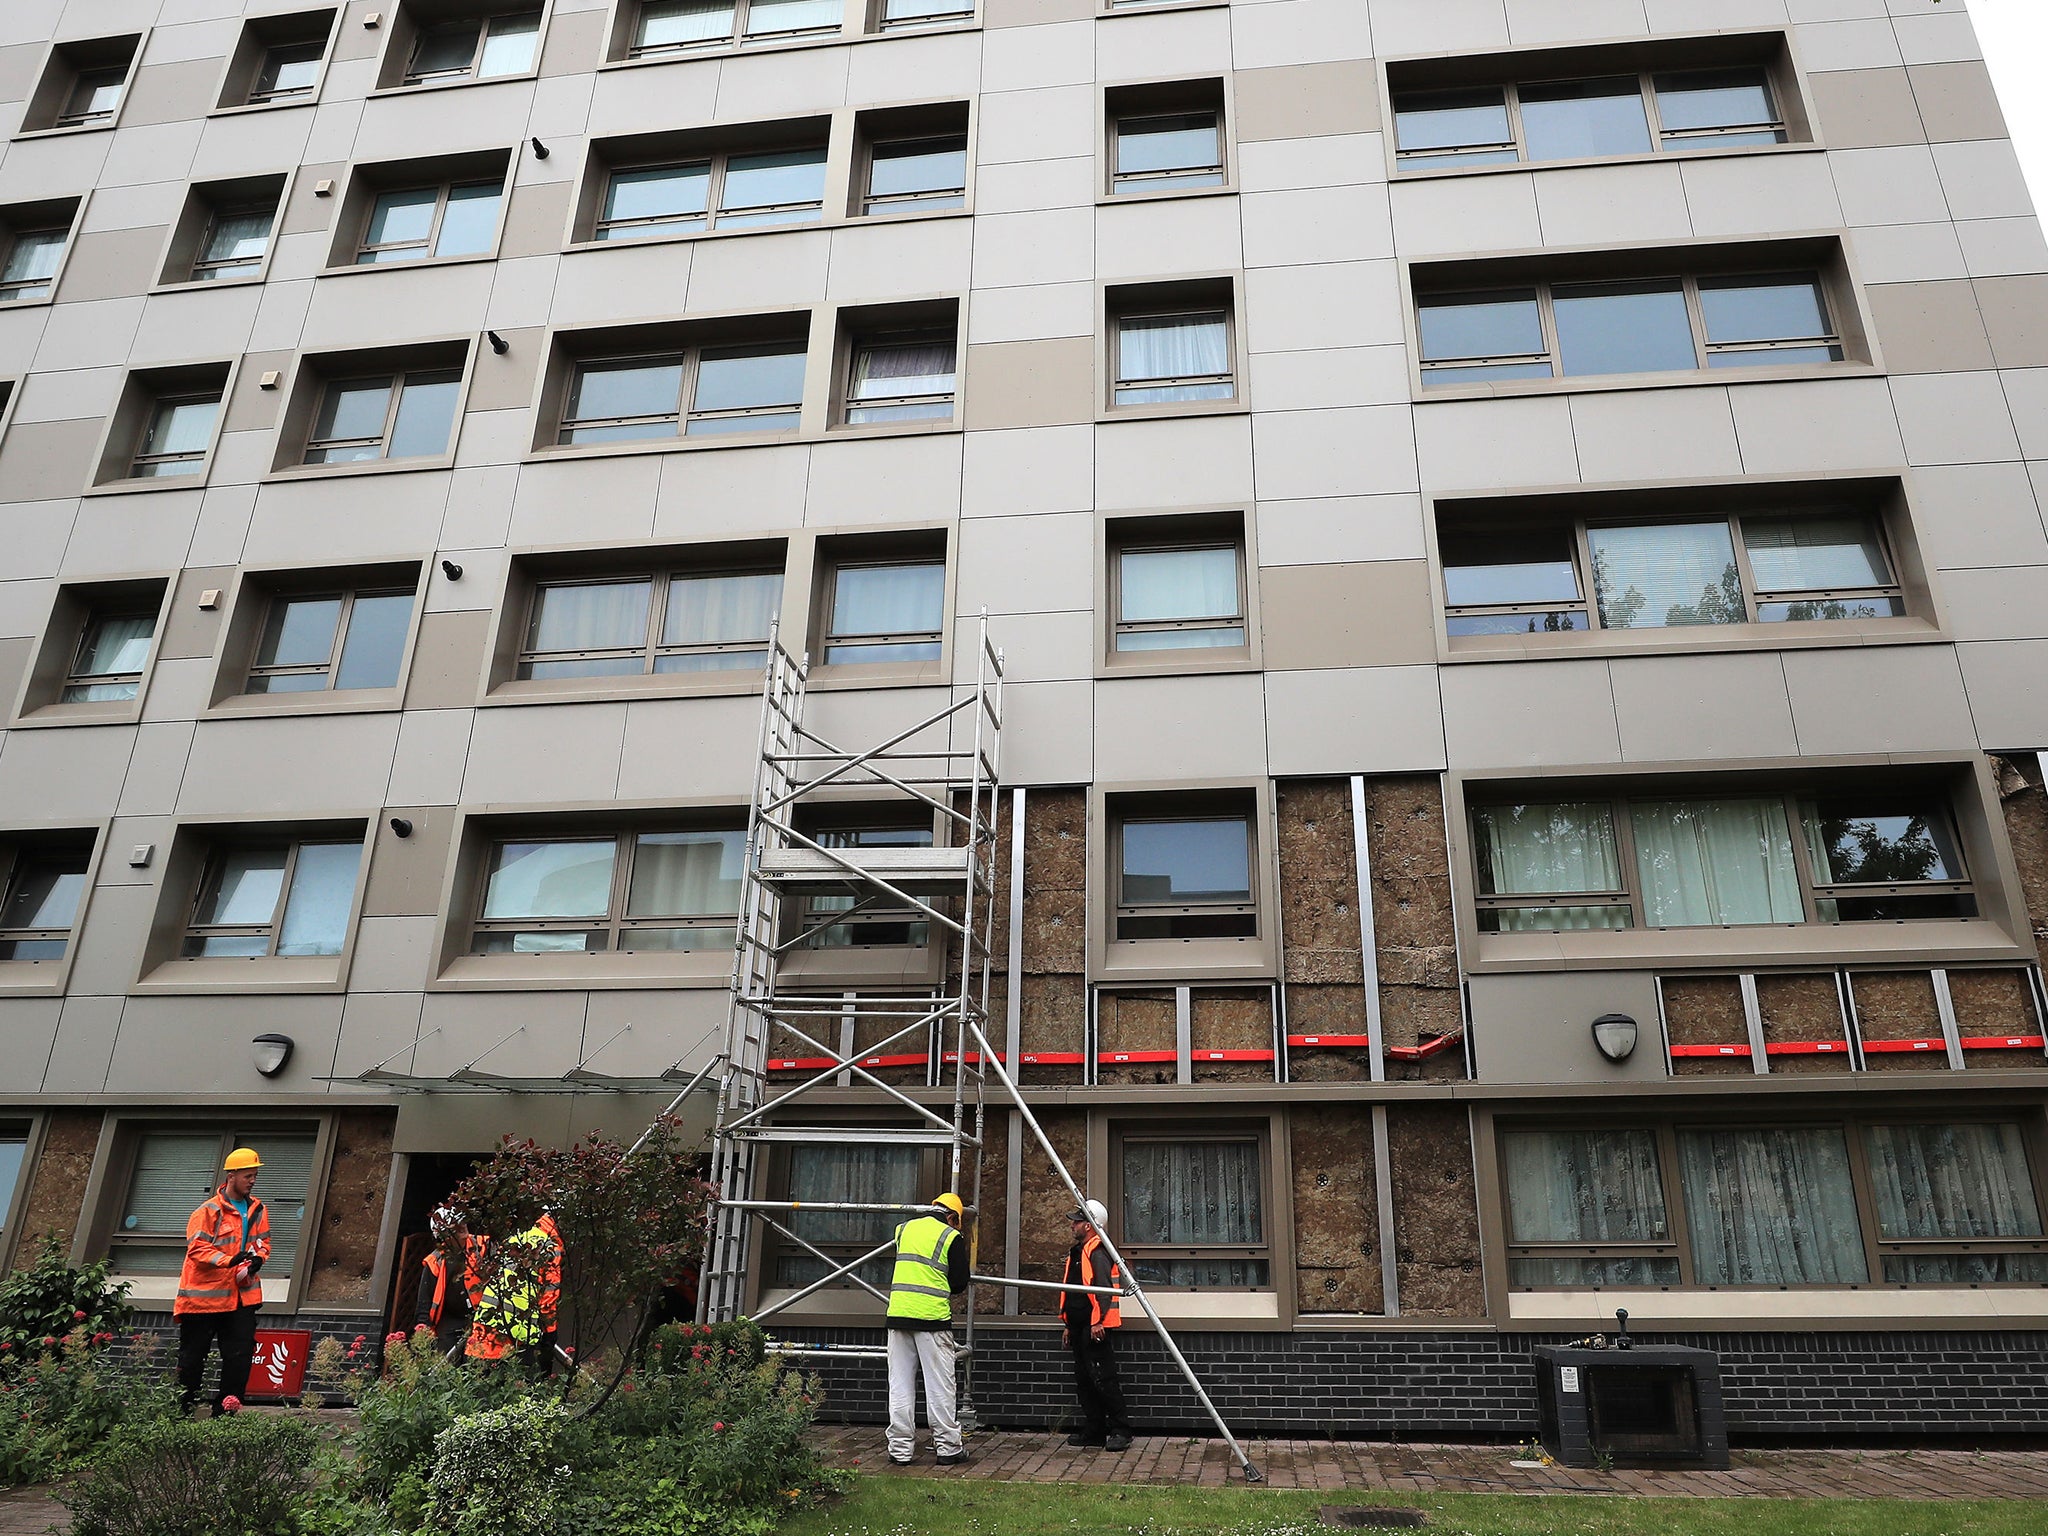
{"x": 1898, "y": 1005}
{"x": 1336, "y": 1210}
{"x": 1436, "y": 1212}
{"x": 1707, "y": 1010}
{"x": 1804, "y": 1010}
{"x": 352, "y": 1212}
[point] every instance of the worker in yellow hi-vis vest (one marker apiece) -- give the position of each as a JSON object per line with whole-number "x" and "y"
{"x": 931, "y": 1269}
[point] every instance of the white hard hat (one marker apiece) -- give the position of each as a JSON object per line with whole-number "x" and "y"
{"x": 1094, "y": 1212}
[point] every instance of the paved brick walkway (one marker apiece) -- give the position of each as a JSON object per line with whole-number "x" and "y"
{"x": 1334, "y": 1465}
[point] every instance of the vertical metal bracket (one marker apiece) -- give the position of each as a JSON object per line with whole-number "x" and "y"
{"x": 1753, "y": 1016}
{"x": 1368, "y": 933}
{"x": 1184, "y": 1034}
{"x": 1945, "y": 1005}
{"x": 1383, "y": 1177}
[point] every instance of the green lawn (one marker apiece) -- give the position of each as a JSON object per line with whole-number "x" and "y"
{"x": 901, "y": 1506}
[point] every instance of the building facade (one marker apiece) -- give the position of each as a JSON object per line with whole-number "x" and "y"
{"x": 1500, "y": 514}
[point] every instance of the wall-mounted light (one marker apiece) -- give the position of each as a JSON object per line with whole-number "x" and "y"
{"x": 498, "y": 343}
{"x": 271, "y": 1052}
{"x": 1614, "y": 1035}
{"x": 451, "y": 570}
{"x": 400, "y": 827}
{"x": 540, "y": 150}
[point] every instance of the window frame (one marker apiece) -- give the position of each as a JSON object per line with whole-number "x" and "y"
{"x": 201, "y": 262}
{"x": 398, "y": 379}
{"x": 1795, "y": 801}
{"x": 1542, "y": 290}
{"x": 1257, "y": 1132}
{"x": 99, "y": 613}
{"x": 22, "y": 849}
{"x": 444, "y": 194}
{"x": 717, "y": 163}
{"x": 860, "y": 338}
{"x": 738, "y": 36}
{"x": 1155, "y": 112}
{"x": 348, "y": 594}
{"x": 1123, "y": 908}
{"x": 689, "y": 357}
{"x": 10, "y": 288}
{"x": 216, "y": 850}
{"x": 298, "y": 96}
{"x": 879, "y": 22}
{"x": 69, "y": 115}
{"x": 617, "y": 920}
{"x": 1855, "y": 1126}
{"x": 1223, "y": 310}
{"x": 870, "y": 204}
{"x": 843, "y": 1295}
{"x": 661, "y": 578}
{"x": 410, "y": 77}
{"x": 156, "y": 405}
{"x": 1168, "y": 541}
{"x": 831, "y": 563}
{"x": 1578, "y": 527}
{"x": 1646, "y": 77}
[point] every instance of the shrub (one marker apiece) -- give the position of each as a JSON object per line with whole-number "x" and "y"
{"x": 403, "y": 1413}
{"x": 239, "y": 1476}
{"x": 58, "y": 1406}
{"x": 496, "y": 1473}
{"x": 49, "y": 1302}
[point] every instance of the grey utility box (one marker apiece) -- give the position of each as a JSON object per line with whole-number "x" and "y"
{"x": 1649, "y": 1406}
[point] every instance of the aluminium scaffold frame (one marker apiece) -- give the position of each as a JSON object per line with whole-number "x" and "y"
{"x": 947, "y": 764}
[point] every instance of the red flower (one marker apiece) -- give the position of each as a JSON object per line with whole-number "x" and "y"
{"x": 78, "y": 1317}
{"x": 394, "y": 1338}
{"x": 719, "y": 1427}
{"x": 362, "y": 1338}
{"x": 51, "y": 1341}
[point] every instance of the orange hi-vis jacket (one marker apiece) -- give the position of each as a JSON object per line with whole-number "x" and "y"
{"x": 470, "y": 1280}
{"x": 1103, "y": 1311}
{"x": 215, "y": 1236}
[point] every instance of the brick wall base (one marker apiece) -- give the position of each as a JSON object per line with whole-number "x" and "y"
{"x": 1780, "y": 1388}
{"x": 160, "y": 1333}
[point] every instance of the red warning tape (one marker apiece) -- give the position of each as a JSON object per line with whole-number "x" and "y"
{"x": 1807, "y": 1048}
{"x": 1895, "y": 1046}
{"x": 2005, "y": 1042}
{"x": 1710, "y": 1050}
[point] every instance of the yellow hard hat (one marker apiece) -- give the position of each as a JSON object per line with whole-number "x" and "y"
{"x": 953, "y": 1203}
{"x": 242, "y": 1158}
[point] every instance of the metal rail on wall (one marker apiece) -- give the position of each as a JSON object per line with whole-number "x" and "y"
{"x": 802, "y": 888}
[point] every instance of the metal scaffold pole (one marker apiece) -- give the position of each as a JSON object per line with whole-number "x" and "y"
{"x": 814, "y": 881}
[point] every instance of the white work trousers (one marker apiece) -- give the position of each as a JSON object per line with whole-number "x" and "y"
{"x": 932, "y": 1353}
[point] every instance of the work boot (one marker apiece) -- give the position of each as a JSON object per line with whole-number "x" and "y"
{"x": 958, "y": 1458}
{"x": 1082, "y": 1437}
{"x": 1118, "y": 1442}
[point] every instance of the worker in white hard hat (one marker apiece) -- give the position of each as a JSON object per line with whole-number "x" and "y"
{"x": 1091, "y": 1324}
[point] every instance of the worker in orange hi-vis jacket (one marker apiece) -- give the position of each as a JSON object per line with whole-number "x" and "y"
{"x": 227, "y": 1241}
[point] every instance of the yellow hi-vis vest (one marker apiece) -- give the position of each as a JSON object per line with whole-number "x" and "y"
{"x": 919, "y": 1289}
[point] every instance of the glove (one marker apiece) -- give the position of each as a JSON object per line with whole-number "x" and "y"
{"x": 255, "y": 1263}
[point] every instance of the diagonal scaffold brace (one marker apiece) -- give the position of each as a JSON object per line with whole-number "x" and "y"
{"x": 808, "y": 883}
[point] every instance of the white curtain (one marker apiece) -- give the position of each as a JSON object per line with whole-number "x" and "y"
{"x": 792, "y": 15}
{"x": 686, "y": 874}
{"x": 1172, "y": 347}
{"x": 1955, "y": 1181}
{"x": 852, "y": 1173}
{"x": 1190, "y": 1193}
{"x": 562, "y": 879}
{"x": 1156, "y": 585}
{"x": 323, "y": 890}
{"x": 590, "y": 616}
{"x": 1592, "y": 1186}
{"x": 1709, "y": 863}
{"x": 669, "y": 22}
{"x": 713, "y": 610}
{"x": 1771, "y": 1207}
{"x": 1544, "y": 848}
{"x": 888, "y": 370}
{"x": 888, "y": 599}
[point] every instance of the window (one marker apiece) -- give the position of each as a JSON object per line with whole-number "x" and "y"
{"x": 849, "y": 922}
{"x": 177, "y": 1171}
{"x": 288, "y": 71}
{"x": 1728, "y": 861}
{"x": 901, "y": 376}
{"x": 884, "y": 610}
{"x": 631, "y": 892}
{"x": 1167, "y": 152}
{"x": 1586, "y": 1207}
{"x": 1178, "y": 594}
{"x": 912, "y": 174}
{"x": 756, "y": 387}
{"x": 38, "y": 910}
{"x": 1185, "y": 874}
{"x": 479, "y": 48}
{"x": 279, "y": 898}
{"x": 83, "y": 85}
{"x": 237, "y": 239}
{"x": 113, "y": 649}
{"x": 1174, "y": 356}
{"x": 851, "y": 1173}
{"x": 177, "y": 438}
{"x": 1651, "y": 325}
{"x": 671, "y": 621}
{"x": 671, "y": 26}
{"x": 331, "y": 641}
{"x": 1765, "y": 567}
{"x": 13, "y": 1157}
{"x": 913, "y": 13}
{"x": 1901, "y": 1202}
{"x": 29, "y": 270}
{"x": 418, "y": 223}
{"x": 1573, "y": 119}
{"x": 385, "y": 416}
{"x": 726, "y": 190}
{"x": 1194, "y": 1211}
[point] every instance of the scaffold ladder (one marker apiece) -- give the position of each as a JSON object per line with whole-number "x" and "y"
{"x": 945, "y": 765}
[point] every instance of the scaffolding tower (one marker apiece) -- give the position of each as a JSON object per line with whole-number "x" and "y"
{"x": 799, "y": 882}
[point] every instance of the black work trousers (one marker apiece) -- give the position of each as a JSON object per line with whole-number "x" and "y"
{"x": 1096, "y": 1384}
{"x": 197, "y": 1333}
